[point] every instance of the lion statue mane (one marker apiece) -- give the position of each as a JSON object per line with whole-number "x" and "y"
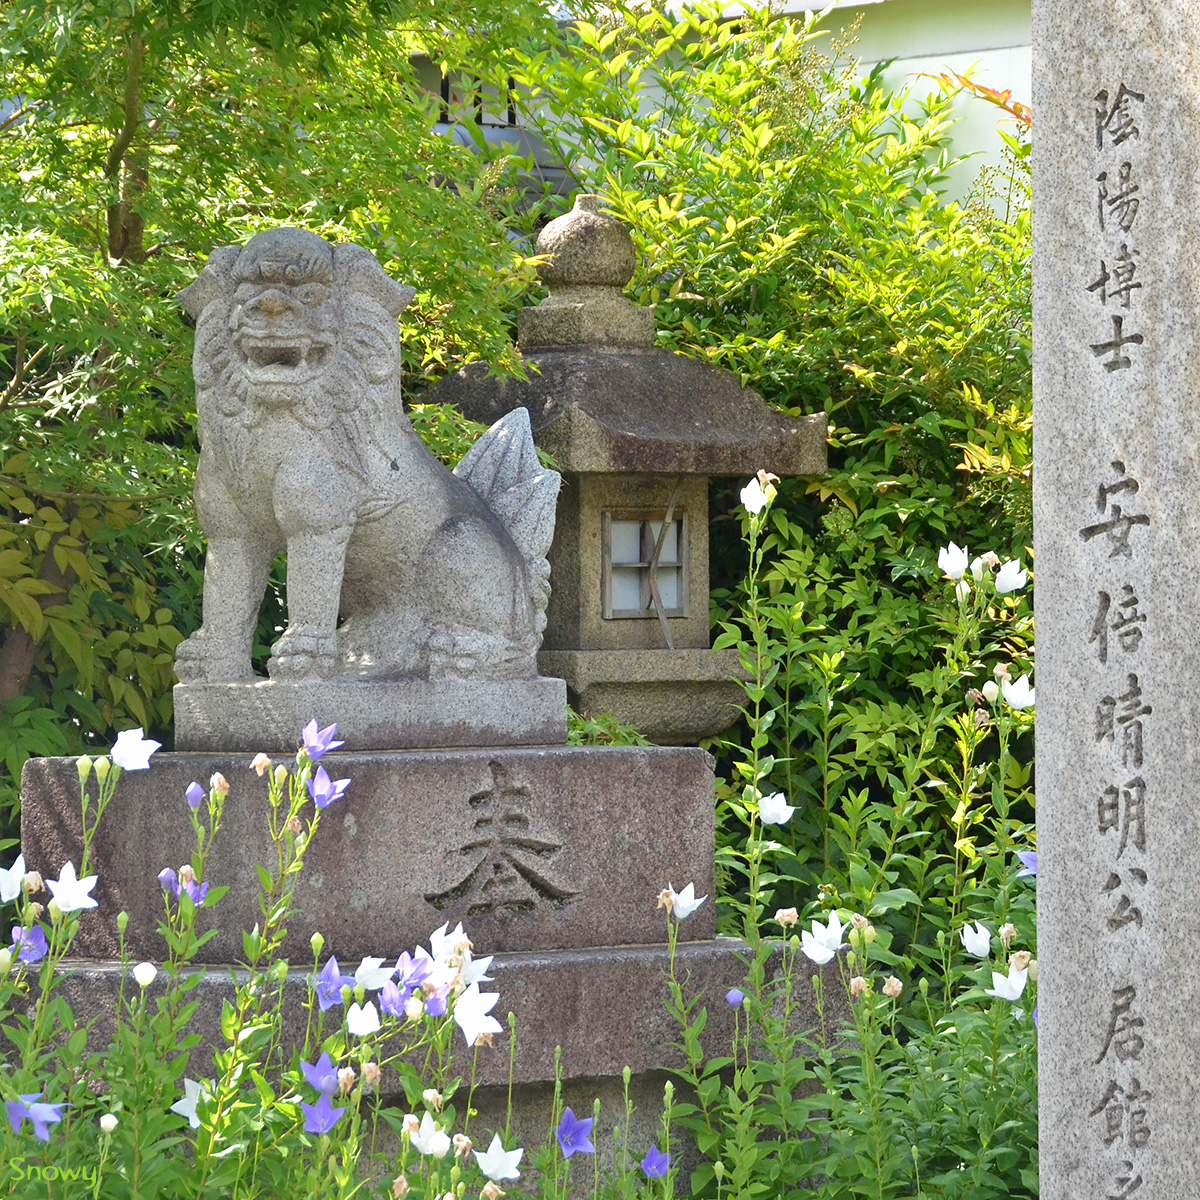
{"x": 396, "y": 567}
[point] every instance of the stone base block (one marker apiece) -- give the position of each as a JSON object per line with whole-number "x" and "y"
{"x": 554, "y": 848}
{"x": 268, "y": 714}
{"x": 604, "y": 1007}
{"x": 674, "y": 697}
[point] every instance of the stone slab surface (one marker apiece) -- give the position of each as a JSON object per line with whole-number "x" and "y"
{"x": 403, "y": 714}
{"x": 674, "y": 697}
{"x": 604, "y": 1007}
{"x": 643, "y": 411}
{"x": 1117, "y": 527}
{"x": 554, "y": 848}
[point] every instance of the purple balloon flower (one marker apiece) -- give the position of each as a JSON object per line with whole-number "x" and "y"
{"x": 171, "y": 883}
{"x": 392, "y": 998}
{"x": 29, "y": 944}
{"x": 322, "y": 1116}
{"x": 194, "y": 890}
{"x": 194, "y": 794}
{"x": 322, "y": 1074}
{"x": 324, "y": 790}
{"x": 319, "y": 741}
{"x": 328, "y": 984}
{"x": 42, "y": 1115}
{"x": 656, "y": 1163}
{"x": 1029, "y": 862}
{"x": 413, "y": 969}
{"x": 573, "y": 1134}
{"x": 735, "y": 997}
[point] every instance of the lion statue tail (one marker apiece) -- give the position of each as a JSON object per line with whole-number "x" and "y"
{"x": 503, "y": 468}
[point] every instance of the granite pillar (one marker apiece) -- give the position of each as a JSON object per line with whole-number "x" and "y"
{"x": 1117, "y": 525}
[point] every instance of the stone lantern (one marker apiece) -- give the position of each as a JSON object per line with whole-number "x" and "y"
{"x": 636, "y": 432}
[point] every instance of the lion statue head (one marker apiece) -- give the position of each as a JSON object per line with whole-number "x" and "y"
{"x": 292, "y": 324}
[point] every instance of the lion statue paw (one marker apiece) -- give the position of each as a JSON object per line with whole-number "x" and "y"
{"x": 304, "y": 652}
{"x": 202, "y": 658}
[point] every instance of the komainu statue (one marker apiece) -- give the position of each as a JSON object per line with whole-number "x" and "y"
{"x": 396, "y": 568}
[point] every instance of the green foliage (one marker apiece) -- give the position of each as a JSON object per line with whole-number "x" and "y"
{"x": 790, "y": 227}
{"x": 136, "y": 138}
{"x": 602, "y": 730}
{"x": 917, "y": 1082}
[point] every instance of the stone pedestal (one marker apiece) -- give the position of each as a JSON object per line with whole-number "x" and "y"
{"x": 553, "y": 858}
{"x": 672, "y": 696}
{"x": 267, "y": 713}
{"x": 540, "y": 849}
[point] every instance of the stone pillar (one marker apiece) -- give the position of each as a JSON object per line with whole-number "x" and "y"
{"x": 1117, "y": 520}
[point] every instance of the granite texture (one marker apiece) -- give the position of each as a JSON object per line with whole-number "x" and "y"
{"x": 406, "y": 713}
{"x": 611, "y": 410}
{"x": 305, "y": 448}
{"x": 674, "y": 697}
{"x": 546, "y": 849}
{"x": 590, "y": 258}
{"x": 604, "y": 1007}
{"x": 1117, "y": 525}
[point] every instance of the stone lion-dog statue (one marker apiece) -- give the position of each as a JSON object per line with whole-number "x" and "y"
{"x": 304, "y": 447}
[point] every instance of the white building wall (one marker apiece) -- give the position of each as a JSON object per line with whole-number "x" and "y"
{"x": 933, "y": 36}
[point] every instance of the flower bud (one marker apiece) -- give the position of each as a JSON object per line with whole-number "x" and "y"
{"x": 219, "y": 784}
{"x": 858, "y": 987}
{"x": 787, "y": 917}
{"x": 719, "y": 1169}
{"x": 346, "y": 1078}
{"x": 32, "y": 882}
{"x": 869, "y": 934}
{"x": 53, "y": 909}
{"x": 317, "y": 942}
{"x": 102, "y": 766}
{"x": 83, "y": 764}
{"x": 433, "y": 1099}
{"x": 260, "y": 763}
{"x": 370, "y": 1074}
{"x": 298, "y": 844}
{"x": 414, "y": 1008}
{"x": 1033, "y": 970}
{"x": 1007, "y": 933}
{"x": 892, "y": 987}
{"x": 281, "y": 774}
{"x": 1020, "y": 960}
{"x": 122, "y": 919}
{"x": 991, "y": 691}
{"x": 144, "y": 973}
{"x": 5, "y": 961}
{"x": 462, "y": 1145}
{"x": 194, "y": 794}
{"x": 108, "y": 1122}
